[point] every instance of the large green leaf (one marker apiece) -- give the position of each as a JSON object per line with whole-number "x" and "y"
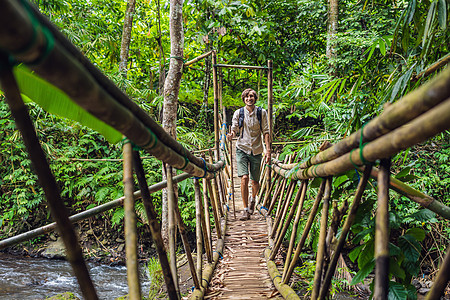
{"x": 55, "y": 101}
{"x": 410, "y": 247}
{"x": 363, "y": 272}
{"x": 424, "y": 215}
{"x": 397, "y": 291}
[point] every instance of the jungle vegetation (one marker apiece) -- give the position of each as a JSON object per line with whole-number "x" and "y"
{"x": 381, "y": 50}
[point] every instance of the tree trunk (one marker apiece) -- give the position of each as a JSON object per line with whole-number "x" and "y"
{"x": 332, "y": 29}
{"x": 126, "y": 37}
{"x": 172, "y": 87}
{"x": 162, "y": 59}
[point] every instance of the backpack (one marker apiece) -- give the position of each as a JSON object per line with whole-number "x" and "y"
{"x": 241, "y": 117}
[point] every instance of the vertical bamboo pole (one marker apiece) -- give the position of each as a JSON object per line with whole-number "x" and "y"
{"x": 441, "y": 280}
{"x": 131, "y": 239}
{"x": 217, "y": 196}
{"x": 382, "y": 233}
{"x": 345, "y": 229}
{"x": 294, "y": 231}
{"x": 322, "y": 236}
{"x": 207, "y": 240}
{"x": 47, "y": 181}
{"x": 283, "y": 211}
{"x": 154, "y": 225}
{"x": 280, "y": 187}
{"x": 312, "y": 214}
{"x": 271, "y": 184}
{"x": 214, "y": 208}
{"x": 301, "y": 193}
{"x": 232, "y": 177}
{"x": 270, "y": 111}
{"x": 172, "y": 227}
{"x": 216, "y": 105}
{"x": 284, "y": 188}
{"x": 198, "y": 227}
{"x": 187, "y": 247}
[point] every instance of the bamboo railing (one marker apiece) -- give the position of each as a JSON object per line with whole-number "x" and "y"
{"x": 415, "y": 118}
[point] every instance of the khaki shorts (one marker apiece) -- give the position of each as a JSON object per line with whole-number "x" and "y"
{"x": 246, "y": 162}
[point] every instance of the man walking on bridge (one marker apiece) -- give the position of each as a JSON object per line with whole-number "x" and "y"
{"x": 250, "y": 122}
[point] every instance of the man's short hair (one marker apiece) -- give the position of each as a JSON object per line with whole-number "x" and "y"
{"x": 248, "y": 91}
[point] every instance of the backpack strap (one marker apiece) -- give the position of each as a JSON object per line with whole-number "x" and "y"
{"x": 259, "y": 116}
{"x": 241, "y": 118}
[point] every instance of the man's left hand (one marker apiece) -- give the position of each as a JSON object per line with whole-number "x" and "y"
{"x": 267, "y": 156}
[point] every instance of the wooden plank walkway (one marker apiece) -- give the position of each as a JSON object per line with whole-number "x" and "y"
{"x": 242, "y": 273}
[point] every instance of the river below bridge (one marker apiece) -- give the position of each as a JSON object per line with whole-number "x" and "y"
{"x": 36, "y": 278}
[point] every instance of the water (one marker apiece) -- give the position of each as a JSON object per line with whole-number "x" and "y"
{"x": 33, "y": 278}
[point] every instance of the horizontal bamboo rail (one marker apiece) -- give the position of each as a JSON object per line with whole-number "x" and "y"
{"x": 240, "y": 67}
{"x": 85, "y": 214}
{"x": 65, "y": 67}
{"x": 198, "y": 58}
{"x": 401, "y": 112}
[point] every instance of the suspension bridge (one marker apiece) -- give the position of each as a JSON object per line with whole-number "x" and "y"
{"x": 241, "y": 258}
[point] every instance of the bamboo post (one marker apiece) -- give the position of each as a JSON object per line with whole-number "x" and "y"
{"x": 214, "y": 208}
{"x": 47, "y": 181}
{"x": 294, "y": 230}
{"x": 207, "y": 231}
{"x": 270, "y": 109}
{"x": 286, "y": 187}
{"x": 322, "y": 236}
{"x": 216, "y": 190}
{"x": 187, "y": 247}
{"x": 283, "y": 211}
{"x": 232, "y": 177}
{"x": 155, "y": 228}
{"x": 216, "y": 105}
{"x": 382, "y": 233}
{"x": 273, "y": 184}
{"x": 441, "y": 280}
{"x": 131, "y": 238}
{"x": 345, "y": 229}
{"x": 325, "y": 185}
{"x": 171, "y": 203}
{"x": 301, "y": 193}
{"x": 198, "y": 227}
{"x": 276, "y": 195}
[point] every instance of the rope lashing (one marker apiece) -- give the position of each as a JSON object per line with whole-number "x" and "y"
{"x": 207, "y": 282}
{"x": 126, "y": 140}
{"x": 48, "y": 38}
{"x": 178, "y": 58}
{"x": 228, "y": 208}
{"x": 153, "y": 139}
{"x": 361, "y": 147}
{"x": 220, "y": 254}
{"x": 263, "y": 207}
{"x": 186, "y": 160}
{"x": 204, "y": 169}
{"x": 277, "y": 276}
{"x": 313, "y": 170}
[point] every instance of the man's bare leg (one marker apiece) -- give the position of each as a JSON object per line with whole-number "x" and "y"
{"x": 255, "y": 188}
{"x": 244, "y": 190}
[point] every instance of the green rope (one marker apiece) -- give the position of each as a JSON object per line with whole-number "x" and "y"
{"x": 48, "y": 37}
{"x": 361, "y": 147}
{"x": 178, "y": 57}
{"x": 313, "y": 171}
{"x": 186, "y": 160}
{"x": 153, "y": 139}
{"x": 351, "y": 160}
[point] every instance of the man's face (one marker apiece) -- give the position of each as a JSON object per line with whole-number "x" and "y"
{"x": 250, "y": 99}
